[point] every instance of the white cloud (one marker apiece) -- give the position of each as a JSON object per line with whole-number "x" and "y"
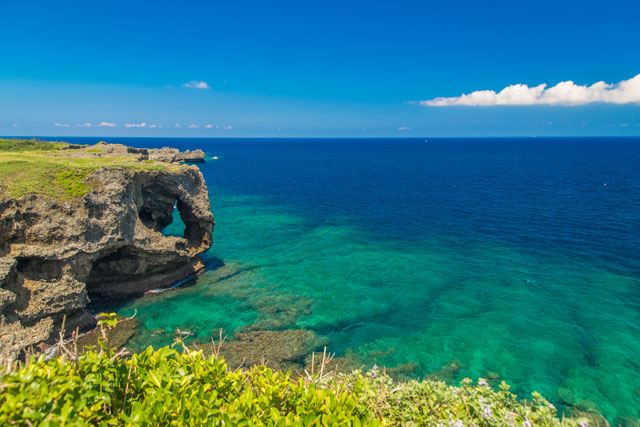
{"x": 86, "y": 125}
{"x": 227, "y": 127}
{"x": 15, "y": 125}
{"x": 192, "y": 126}
{"x": 135, "y": 125}
{"x": 564, "y": 93}
{"x": 196, "y": 84}
{"x": 208, "y": 126}
{"x": 403, "y": 128}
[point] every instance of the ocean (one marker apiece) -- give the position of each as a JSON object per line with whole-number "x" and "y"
{"x": 514, "y": 259}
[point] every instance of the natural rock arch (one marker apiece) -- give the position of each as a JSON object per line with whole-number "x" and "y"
{"x": 55, "y": 255}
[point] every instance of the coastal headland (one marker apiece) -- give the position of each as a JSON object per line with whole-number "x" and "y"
{"x": 84, "y": 222}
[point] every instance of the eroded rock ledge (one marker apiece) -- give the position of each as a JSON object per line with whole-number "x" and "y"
{"x": 164, "y": 154}
{"x": 57, "y": 254}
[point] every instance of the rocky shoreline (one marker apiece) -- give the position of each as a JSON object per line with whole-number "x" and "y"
{"x": 57, "y": 254}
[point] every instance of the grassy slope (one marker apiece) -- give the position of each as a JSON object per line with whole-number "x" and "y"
{"x": 36, "y": 167}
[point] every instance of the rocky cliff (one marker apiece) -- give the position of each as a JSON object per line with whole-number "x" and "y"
{"x": 58, "y": 253}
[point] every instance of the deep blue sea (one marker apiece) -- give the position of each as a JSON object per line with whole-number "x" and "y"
{"x": 517, "y": 258}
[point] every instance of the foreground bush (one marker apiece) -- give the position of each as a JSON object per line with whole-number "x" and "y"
{"x": 434, "y": 403}
{"x": 167, "y": 387}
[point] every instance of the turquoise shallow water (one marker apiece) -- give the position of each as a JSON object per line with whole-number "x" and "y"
{"x": 513, "y": 260}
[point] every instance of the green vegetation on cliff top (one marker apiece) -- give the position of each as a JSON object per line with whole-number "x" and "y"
{"x": 22, "y": 145}
{"x": 31, "y": 166}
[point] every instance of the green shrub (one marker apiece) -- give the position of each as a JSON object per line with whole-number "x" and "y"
{"x": 434, "y": 403}
{"x": 166, "y": 387}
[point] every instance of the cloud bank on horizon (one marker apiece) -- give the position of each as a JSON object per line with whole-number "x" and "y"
{"x": 86, "y": 125}
{"x": 135, "y": 125}
{"x": 564, "y": 93}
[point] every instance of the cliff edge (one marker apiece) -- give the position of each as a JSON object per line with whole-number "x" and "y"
{"x": 91, "y": 227}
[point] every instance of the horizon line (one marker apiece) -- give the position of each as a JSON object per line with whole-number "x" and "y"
{"x": 325, "y": 137}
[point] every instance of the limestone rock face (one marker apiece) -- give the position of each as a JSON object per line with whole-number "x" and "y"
{"x": 172, "y": 155}
{"x": 164, "y": 154}
{"x": 56, "y": 255}
{"x": 193, "y": 156}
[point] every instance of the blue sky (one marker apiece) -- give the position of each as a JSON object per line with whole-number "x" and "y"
{"x": 343, "y": 68}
